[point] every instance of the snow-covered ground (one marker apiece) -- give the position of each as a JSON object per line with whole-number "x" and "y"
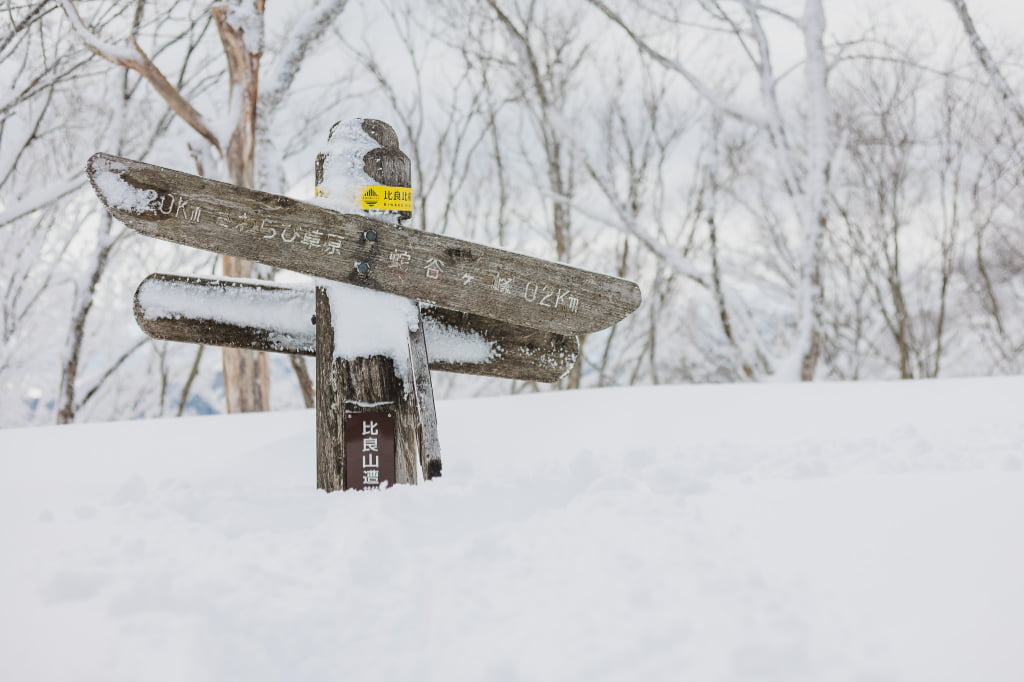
{"x": 765, "y": 532}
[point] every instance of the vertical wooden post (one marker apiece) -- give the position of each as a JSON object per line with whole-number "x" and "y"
{"x": 369, "y": 386}
{"x": 430, "y": 448}
{"x": 347, "y": 388}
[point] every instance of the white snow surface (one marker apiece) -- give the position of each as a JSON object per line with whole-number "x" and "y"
{"x": 747, "y": 532}
{"x": 288, "y": 311}
{"x": 109, "y": 180}
{"x": 450, "y": 344}
{"x": 245, "y": 17}
{"x": 286, "y": 314}
{"x": 372, "y": 323}
{"x": 344, "y": 176}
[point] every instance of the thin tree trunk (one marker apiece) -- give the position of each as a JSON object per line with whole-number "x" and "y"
{"x": 187, "y": 390}
{"x": 80, "y": 312}
{"x": 305, "y": 382}
{"x": 819, "y": 153}
{"x": 246, "y": 372}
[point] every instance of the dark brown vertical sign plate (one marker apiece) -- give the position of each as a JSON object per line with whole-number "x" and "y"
{"x": 369, "y": 450}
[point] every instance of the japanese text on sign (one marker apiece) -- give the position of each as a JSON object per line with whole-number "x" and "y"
{"x": 380, "y": 198}
{"x": 369, "y": 450}
{"x": 401, "y": 262}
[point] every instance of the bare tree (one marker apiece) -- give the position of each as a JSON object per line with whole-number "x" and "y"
{"x": 998, "y": 249}
{"x": 802, "y": 147}
{"x": 1006, "y": 93}
{"x": 628, "y": 165}
{"x": 884, "y": 141}
{"x": 542, "y": 61}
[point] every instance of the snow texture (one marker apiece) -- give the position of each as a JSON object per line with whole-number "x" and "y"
{"x": 246, "y": 18}
{"x": 449, "y": 344}
{"x": 108, "y": 177}
{"x": 806, "y": 533}
{"x": 343, "y": 176}
{"x": 287, "y": 312}
{"x": 118, "y": 53}
{"x": 368, "y": 323}
{"x": 309, "y": 27}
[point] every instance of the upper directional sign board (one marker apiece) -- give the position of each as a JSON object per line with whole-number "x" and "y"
{"x": 286, "y": 233}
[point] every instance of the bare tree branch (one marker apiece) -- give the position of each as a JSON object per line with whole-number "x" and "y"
{"x": 696, "y": 83}
{"x": 133, "y": 57}
{"x": 1006, "y": 93}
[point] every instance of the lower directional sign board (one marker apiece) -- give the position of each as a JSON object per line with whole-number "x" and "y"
{"x": 277, "y": 317}
{"x": 306, "y": 238}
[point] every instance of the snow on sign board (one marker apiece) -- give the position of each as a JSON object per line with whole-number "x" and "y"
{"x": 431, "y": 268}
{"x": 270, "y": 316}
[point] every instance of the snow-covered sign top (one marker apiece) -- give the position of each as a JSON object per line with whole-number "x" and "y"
{"x": 271, "y": 316}
{"x": 367, "y": 322}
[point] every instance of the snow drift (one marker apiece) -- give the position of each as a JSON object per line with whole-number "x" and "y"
{"x": 790, "y": 532}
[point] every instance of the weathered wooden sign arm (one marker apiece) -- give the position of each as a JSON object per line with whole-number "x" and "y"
{"x": 290, "y": 234}
{"x": 455, "y": 305}
{"x": 270, "y": 316}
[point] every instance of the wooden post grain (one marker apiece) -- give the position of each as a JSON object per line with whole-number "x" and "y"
{"x": 347, "y": 387}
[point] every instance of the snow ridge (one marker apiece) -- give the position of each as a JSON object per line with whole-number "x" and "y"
{"x": 109, "y": 180}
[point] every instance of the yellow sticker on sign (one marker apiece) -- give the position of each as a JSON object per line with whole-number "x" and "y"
{"x": 380, "y": 198}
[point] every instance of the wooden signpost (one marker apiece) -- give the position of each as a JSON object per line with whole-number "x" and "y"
{"x": 466, "y": 307}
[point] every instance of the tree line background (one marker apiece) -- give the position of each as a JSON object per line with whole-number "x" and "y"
{"x": 803, "y": 190}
